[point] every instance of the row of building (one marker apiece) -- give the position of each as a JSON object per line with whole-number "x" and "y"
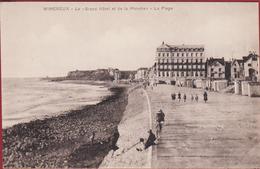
{"x": 177, "y": 62}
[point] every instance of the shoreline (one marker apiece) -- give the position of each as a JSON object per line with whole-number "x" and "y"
{"x": 64, "y": 140}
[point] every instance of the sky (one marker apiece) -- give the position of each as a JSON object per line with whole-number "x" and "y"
{"x": 38, "y": 40}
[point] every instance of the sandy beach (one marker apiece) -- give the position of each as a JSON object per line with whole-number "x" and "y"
{"x": 64, "y": 140}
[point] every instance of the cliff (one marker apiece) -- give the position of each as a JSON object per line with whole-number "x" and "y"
{"x": 99, "y": 74}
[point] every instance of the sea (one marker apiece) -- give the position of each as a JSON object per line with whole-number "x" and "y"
{"x": 26, "y": 99}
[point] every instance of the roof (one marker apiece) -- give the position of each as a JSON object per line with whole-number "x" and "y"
{"x": 251, "y": 55}
{"x": 212, "y": 61}
{"x": 164, "y": 45}
{"x": 143, "y": 68}
{"x": 239, "y": 61}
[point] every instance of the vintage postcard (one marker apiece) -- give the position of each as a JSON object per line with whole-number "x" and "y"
{"x": 130, "y": 84}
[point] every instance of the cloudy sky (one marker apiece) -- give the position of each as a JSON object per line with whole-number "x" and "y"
{"x": 37, "y": 42}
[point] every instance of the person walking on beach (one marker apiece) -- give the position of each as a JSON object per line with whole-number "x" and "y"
{"x": 197, "y": 98}
{"x": 179, "y": 96}
{"x": 192, "y": 98}
{"x": 205, "y": 96}
{"x": 184, "y": 97}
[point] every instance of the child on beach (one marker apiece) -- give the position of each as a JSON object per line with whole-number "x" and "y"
{"x": 184, "y": 97}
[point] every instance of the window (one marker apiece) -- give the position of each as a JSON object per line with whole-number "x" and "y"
{"x": 200, "y": 60}
{"x": 184, "y": 66}
{"x": 191, "y": 54}
{"x": 198, "y": 66}
{"x": 235, "y": 70}
{"x": 159, "y": 54}
{"x": 201, "y": 54}
{"x": 177, "y": 54}
{"x": 249, "y": 64}
{"x": 211, "y": 69}
{"x": 187, "y": 54}
{"x": 182, "y": 54}
{"x": 163, "y": 54}
{"x": 219, "y": 69}
{"x": 196, "y": 54}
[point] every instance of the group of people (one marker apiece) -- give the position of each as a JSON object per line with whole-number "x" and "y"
{"x": 160, "y": 118}
{"x": 193, "y": 97}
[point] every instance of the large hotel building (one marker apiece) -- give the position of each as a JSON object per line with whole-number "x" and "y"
{"x": 175, "y": 62}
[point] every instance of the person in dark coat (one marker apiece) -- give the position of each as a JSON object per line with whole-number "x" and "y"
{"x": 184, "y": 97}
{"x": 160, "y": 119}
{"x": 151, "y": 140}
{"x": 114, "y": 139}
{"x": 205, "y": 96}
{"x": 179, "y": 96}
{"x": 173, "y": 96}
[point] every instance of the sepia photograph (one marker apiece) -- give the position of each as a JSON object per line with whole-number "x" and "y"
{"x": 130, "y": 84}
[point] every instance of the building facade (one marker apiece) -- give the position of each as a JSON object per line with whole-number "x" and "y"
{"x": 216, "y": 68}
{"x": 251, "y": 66}
{"x": 180, "y": 61}
{"x": 141, "y": 74}
{"x": 237, "y": 69}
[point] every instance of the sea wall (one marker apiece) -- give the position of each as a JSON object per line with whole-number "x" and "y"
{"x": 134, "y": 125}
{"x": 64, "y": 140}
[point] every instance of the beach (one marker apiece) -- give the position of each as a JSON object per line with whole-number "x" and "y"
{"x": 64, "y": 140}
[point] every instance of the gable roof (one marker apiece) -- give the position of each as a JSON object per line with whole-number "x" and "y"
{"x": 213, "y": 61}
{"x": 239, "y": 61}
{"x": 251, "y": 55}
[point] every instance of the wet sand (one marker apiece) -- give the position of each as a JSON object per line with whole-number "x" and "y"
{"x": 64, "y": 140}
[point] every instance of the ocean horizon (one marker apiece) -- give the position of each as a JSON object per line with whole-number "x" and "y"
{"x": 27, "y": 99}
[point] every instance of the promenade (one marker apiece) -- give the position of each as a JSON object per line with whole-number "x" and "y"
{"x": 224, "y": 132}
